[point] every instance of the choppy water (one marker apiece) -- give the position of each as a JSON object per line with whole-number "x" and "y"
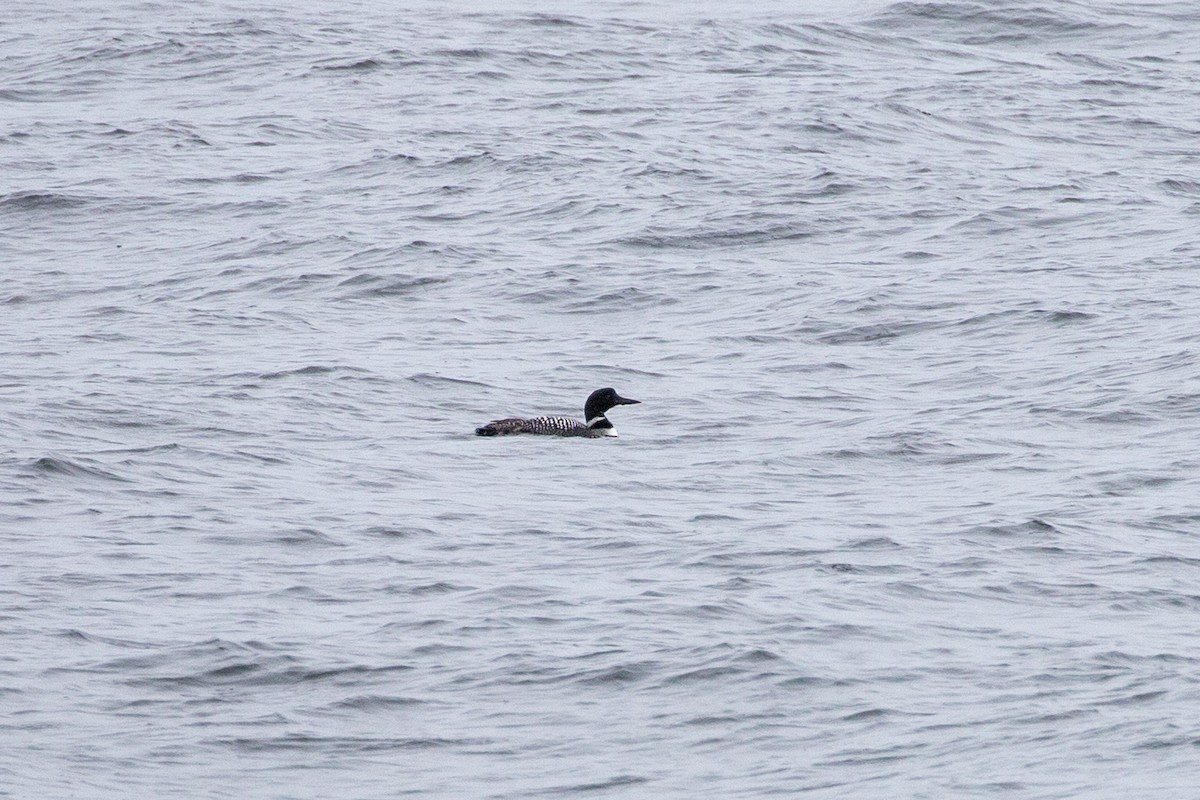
{"x": 909, "y": 293}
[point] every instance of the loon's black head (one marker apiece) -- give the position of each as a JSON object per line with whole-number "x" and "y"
{"x": 602, "y": 400}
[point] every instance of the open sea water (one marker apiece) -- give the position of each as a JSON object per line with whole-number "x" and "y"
{"x": 909, "y": 292}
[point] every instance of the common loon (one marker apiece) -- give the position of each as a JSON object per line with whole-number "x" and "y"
{"x": 597, "y": 424}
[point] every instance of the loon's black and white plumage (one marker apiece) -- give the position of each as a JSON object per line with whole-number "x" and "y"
{"x": 596, "y": 424}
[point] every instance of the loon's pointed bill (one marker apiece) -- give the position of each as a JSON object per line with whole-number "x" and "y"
{"x": 596, "y": 423}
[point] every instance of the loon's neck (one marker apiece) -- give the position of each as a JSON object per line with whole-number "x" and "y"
{"x": 601, "y": 426}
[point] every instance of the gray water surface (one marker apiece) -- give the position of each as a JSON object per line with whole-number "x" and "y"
{"x": 908, "y": 292}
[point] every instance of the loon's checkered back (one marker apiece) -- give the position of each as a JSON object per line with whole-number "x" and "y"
{"x": 553, "y": 426}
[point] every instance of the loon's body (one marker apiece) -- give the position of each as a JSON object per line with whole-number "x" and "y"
{"x": 596, "y": 424}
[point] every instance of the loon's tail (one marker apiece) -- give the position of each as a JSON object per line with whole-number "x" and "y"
{"x": 503, "y": 427}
